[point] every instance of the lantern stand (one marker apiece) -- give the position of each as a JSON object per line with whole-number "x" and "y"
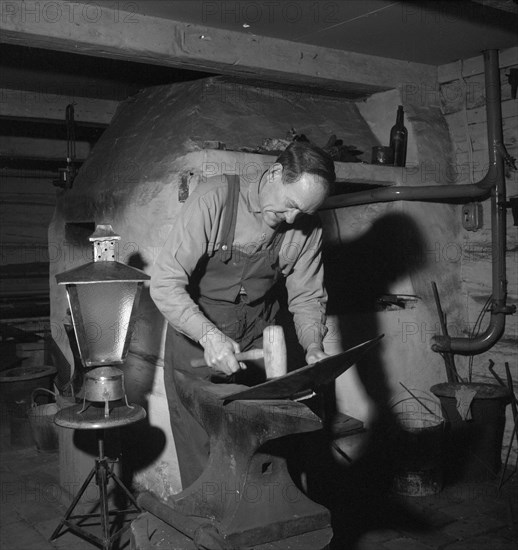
{"x": 103, "y": 295}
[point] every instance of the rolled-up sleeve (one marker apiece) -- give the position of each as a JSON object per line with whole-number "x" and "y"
{"x": 188, "y": 241}
{"x": 307, "y": 297}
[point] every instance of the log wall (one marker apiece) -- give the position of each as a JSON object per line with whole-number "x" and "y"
{"x": 27, "y": 205}
{"x": 463, "y": 100}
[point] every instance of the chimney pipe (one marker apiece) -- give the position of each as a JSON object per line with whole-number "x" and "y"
{"x": 495, "y": 181}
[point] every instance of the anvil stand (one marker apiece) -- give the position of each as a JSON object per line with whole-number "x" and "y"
{"x": 94, "y": 418}
{"x": 245, "y": 497}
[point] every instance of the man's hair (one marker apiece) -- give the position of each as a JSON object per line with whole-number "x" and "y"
{"x": 301, "y": 157}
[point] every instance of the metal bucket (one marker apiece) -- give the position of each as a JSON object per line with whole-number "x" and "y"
{"x": 41, "y": 420}
{"x": 419, "y": 454}
{"x": 16, "y": 385}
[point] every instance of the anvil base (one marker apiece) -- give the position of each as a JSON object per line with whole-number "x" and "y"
{"x": 150, "y": 533}
{"x": 245, "y": 492}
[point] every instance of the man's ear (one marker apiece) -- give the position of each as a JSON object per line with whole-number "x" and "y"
{"x": 276, "y": 170}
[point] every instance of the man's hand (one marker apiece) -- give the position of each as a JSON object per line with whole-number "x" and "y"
{"x": 315, "y": 353}
{"x": 219, "y": 352}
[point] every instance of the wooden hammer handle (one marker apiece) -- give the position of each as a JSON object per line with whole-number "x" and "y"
{"x": 250, "y": 355}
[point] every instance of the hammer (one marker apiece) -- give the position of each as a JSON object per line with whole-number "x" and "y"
{"x": 273, "y": 352}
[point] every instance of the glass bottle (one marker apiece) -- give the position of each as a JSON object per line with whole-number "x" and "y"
{"x": 399, "y": 138}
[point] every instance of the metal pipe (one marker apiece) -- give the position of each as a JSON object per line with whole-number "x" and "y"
{"x": 436, "y": 193}
{"x": 410, "y": 193}
{"x": 493, "y": 183}
{"x": 495, "y": 179}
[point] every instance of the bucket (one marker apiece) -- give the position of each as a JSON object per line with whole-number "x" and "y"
{"x": 419, "y": 445}
{"x": 474, "y": 446}
{"x": 41, "y": 420}
{"x": 16, "y": 385}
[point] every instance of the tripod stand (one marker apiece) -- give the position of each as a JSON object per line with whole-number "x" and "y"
{"x": 101, "y": 472}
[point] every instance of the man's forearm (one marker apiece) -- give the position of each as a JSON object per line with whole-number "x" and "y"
{"x": 310, "y": 328}
{"x": 178, "y": 308}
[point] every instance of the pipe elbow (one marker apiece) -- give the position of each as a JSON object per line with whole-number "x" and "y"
{"x": 441, "y": 344}
{"x": 472, "y": 346}
{"x": 490, "y": 180}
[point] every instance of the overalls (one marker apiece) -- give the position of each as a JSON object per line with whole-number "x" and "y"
{"x": 235, "y": 291}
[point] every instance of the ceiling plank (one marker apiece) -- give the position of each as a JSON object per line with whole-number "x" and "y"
{"x": 92, "y": 29}
{"x": 41, "y": 105}
{"x": 503, "y": 5}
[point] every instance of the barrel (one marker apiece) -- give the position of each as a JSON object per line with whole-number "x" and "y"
{"x": 474, "y": 445}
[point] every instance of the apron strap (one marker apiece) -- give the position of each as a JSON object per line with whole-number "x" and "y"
{"x": 229, "y": 222}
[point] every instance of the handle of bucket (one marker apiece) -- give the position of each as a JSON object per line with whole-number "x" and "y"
{"x": 33, "y": 403}
{"x": 416, "y": 401}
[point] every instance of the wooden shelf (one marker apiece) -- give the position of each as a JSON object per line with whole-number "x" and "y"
{"x": 369, "y": 174}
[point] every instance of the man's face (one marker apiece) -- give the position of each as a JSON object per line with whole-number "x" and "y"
{"x": 285, "y": 203}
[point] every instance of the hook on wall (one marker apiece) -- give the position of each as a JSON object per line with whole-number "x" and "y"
{"x": 512, "y": 78}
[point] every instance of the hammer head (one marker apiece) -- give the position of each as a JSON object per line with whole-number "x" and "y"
{"x": 275, "y": 354}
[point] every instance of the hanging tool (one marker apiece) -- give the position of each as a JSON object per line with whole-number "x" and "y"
{"x": 510, "y": 386}
{"x": 67, "y": 175}
{"x": 449, "y": 360}
{"x": 512, "y": 78}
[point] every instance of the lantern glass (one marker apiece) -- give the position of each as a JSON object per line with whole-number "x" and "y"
{"x": 101, "y": 314}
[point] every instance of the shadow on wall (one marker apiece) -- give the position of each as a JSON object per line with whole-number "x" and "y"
{"x": 357, "y": 274}
{"x": 143, "y": 443}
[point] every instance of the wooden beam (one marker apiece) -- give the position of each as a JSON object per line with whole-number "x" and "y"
{"x": 25, "y": 174}
{"x": 94, "y": 29}
{"x": 502, "y": 5}
{"x": 34, "y": 148}
{"x": 41, "y": 105}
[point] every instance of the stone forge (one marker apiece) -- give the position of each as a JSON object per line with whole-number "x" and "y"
{"x": 151, "y": 157}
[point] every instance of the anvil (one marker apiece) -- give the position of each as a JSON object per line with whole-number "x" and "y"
{"x": 245, "y": 496}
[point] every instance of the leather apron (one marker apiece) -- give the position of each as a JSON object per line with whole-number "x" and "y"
{"x": 235, "y": 291}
